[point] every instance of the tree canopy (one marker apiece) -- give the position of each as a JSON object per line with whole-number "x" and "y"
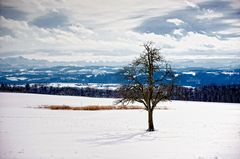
{"x": 150, "y": 80}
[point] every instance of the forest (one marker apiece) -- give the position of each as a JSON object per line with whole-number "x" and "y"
{"x": 208, "y": 93}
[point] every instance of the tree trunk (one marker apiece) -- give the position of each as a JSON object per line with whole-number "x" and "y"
{"x": 150, "y": 121}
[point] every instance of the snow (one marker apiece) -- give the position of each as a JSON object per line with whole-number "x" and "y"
{"x": 12, "y": 78}
{"x": 88, "y": 76}
{"x": 22, "y": 70}
{"x": 230, "y": 73}
{"x": 188, "y": 130}
{"x": 109, "y": 86}
{"x": 214, "y": 73}
{"x": 189, "y": 73}
{"x": 189, "y": 87}
{"x": 16, "y": 78}
{"x": 72, "y": 71}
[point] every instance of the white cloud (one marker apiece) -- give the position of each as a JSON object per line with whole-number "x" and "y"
{"x": 233, "y": 22}
{"x": 98, "y": 14}
{"x": 178, "y": 32}
{"x": 13, "y": 24}
{"x": 5, "y": 40}
{"x": 191, "y": 4}
{"x": 209, "y": 14}
{"x": 175, "y": 21}
{"x": 234, "y": 31}
{"x": 235, "y": 4}
{"x": 79, "y": 28}
{"x": 103, "y": 30}
{"x": 192, "y": 44}
{"x": 203, "y": 44}
{"x": 107, "y": 45}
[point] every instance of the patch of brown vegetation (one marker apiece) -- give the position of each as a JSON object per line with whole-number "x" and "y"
{"x": 92, "y": 107}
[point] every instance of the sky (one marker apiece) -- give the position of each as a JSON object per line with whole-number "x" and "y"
{"x": 114, "y": 31}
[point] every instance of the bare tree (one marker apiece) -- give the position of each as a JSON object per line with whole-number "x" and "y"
{"x": 150, "y": 80}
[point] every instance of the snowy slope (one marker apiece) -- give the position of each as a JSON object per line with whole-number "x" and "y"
{"x": 188, "y": 130}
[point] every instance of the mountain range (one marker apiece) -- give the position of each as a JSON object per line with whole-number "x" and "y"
{"x": 110, "y": 75}
{"x": 20, "y": 62}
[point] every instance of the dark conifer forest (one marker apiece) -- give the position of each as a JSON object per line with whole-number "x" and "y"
{"x": 208, "y": 93}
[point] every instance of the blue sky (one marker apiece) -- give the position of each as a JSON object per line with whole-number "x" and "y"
{"x": 106, "y": 30}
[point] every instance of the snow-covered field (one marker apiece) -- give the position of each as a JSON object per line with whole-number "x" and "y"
{"x": 188, "y": 130}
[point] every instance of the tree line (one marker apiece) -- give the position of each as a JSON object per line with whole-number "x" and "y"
{"x": 71, "y": 91}
{"x": 210, "y": 93}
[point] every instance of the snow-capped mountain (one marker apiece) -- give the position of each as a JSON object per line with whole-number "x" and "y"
{"x": 83, "y": 75}
{"x": 22, "y": 62}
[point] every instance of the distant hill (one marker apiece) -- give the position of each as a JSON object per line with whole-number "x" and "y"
{"x": 20, "y": 62}
{"x": 85, "y": 75}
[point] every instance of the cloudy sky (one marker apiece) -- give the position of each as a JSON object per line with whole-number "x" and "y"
{"x": 109, "y": 30}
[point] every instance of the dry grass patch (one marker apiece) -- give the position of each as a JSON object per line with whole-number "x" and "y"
{"x": 91, "y": 107}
